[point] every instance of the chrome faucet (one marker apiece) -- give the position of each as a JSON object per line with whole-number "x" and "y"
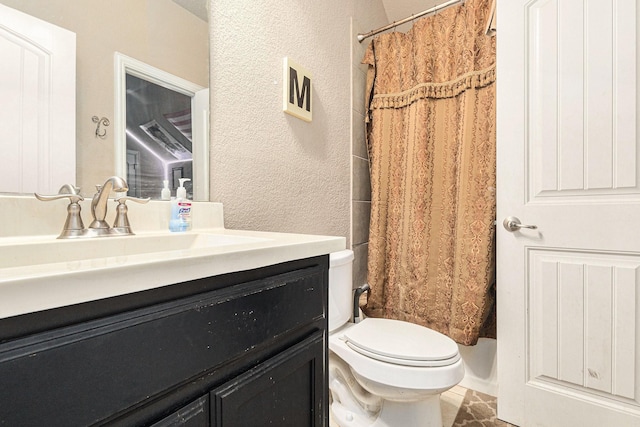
{"x": 74, "y": 228}
{"x": 121, "y": 224}
{"x": 99, "y": 203}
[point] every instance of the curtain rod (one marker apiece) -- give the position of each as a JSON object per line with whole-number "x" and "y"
{"x": 432, "y": 10}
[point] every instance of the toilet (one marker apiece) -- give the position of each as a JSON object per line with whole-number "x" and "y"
{"x": 383, "y": 372}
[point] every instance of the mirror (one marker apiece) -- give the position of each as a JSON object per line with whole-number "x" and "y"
{"x": 161, "y": 132}
{"x": 166, "y": 34}
{"x": 159, "y": 141}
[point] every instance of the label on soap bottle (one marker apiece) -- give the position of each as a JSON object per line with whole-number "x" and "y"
{"x": 184, "y": 214}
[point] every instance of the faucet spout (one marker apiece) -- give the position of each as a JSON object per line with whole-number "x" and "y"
{"x": 99, "y": 202}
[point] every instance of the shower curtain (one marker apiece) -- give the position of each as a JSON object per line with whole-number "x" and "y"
{"x": 431, "y": 140}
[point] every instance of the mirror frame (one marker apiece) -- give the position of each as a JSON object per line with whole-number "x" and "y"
{"x": 200, "y": 151}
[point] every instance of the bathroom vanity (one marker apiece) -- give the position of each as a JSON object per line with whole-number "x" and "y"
{"x": 240, "y": 340}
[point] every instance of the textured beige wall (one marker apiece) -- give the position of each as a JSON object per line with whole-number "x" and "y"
{"x": 270, "y": 170}
{"x": 157, "y": 32}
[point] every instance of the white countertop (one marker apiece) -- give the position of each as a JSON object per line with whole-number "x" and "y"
{"x": 62, "y": 279}
{"x": 32, "y": 288}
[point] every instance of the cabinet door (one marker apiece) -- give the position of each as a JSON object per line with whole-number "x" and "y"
{"x": 286, "y": 390}
{"x": 195, "y": 414}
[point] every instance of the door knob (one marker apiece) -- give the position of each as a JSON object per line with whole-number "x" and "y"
{"x": 511, "y": 223}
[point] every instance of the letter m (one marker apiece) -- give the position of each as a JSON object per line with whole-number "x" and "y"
{"x": 295, "y": 93}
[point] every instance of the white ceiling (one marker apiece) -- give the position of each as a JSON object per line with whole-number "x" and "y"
{"x": 395, "y": 9}
{"x": 197, "y": 7}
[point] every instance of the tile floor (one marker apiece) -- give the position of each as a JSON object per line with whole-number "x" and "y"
{"x": 450, "y": 402}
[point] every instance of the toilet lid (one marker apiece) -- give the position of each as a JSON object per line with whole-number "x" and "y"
{"x": 401, "y": 343}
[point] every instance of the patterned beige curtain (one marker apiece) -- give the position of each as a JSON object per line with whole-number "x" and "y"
{"x": 431, "y": 139}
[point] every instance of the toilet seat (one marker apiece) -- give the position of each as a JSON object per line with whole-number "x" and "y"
{"x": 401, "y": 343}
{"x": 394, "y": 374}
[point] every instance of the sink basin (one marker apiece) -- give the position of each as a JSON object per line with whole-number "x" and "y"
{"x": 39, "y": 252}
{"x": 39, "y": 272}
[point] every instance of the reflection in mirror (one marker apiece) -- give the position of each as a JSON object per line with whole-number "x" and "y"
{"x": 158, "y": 138}
{"x": 37, "y": 104}
{"x": 171, "y": 35}
{"x": 163, "y": 137}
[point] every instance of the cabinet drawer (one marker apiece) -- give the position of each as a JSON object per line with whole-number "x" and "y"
{"x": 86, "y": 373}
{"x": 195, "y": 414}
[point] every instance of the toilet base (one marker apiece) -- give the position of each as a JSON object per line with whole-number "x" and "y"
{"x": 369, "y": 411}
{"x": 383, "y": 394}
{"x": 423, "y": 413}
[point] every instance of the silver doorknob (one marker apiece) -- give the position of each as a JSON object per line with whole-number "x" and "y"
{"x": 511, "y": 223}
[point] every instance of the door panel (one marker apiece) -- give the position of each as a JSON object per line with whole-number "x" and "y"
{"x": 568, "y": 291}
{"x": 581, "y": 72}
{"x": 582, "y": 321}
{"x": 37, "y": 119}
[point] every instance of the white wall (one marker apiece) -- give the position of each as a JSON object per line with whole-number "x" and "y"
{"x": 270, "y": 170}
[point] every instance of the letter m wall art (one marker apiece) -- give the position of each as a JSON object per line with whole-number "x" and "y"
{"x": 297, "y": 90}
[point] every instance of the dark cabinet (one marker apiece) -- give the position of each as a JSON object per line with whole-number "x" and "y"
{"x": 195, "y": 414}
{"x": 283, "y": 391}
{"x": 243, "y": 349}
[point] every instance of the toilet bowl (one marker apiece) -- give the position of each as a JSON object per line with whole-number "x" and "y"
{"x": 383, "y": 372}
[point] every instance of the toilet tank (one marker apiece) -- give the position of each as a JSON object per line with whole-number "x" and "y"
{"x": 340, "y": 288}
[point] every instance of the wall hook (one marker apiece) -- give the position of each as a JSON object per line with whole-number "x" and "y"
{"x": 101, "y": 133}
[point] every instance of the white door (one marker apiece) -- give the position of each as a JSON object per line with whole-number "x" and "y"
{"x": 37, "y": 104}
{"x": 568, "y": 291}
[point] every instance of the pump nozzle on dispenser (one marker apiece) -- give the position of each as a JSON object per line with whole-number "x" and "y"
{"x": 181, "y": 192}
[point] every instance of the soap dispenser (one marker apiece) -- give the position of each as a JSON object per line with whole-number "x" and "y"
{"x": 181, "y": 192}
{"x": 180, "y": 209}
{"x": 165, "y": 194}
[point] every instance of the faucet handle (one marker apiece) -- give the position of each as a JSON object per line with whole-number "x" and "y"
{"x": 121, "y": 225}
{"x": 73, "y": 198}
{"x": 123, "y": 199}
{"x": 73, "y": 226}
{"x": 69, "y": 189}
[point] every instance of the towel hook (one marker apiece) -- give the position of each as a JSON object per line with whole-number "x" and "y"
{"x": 101, "y": 133}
